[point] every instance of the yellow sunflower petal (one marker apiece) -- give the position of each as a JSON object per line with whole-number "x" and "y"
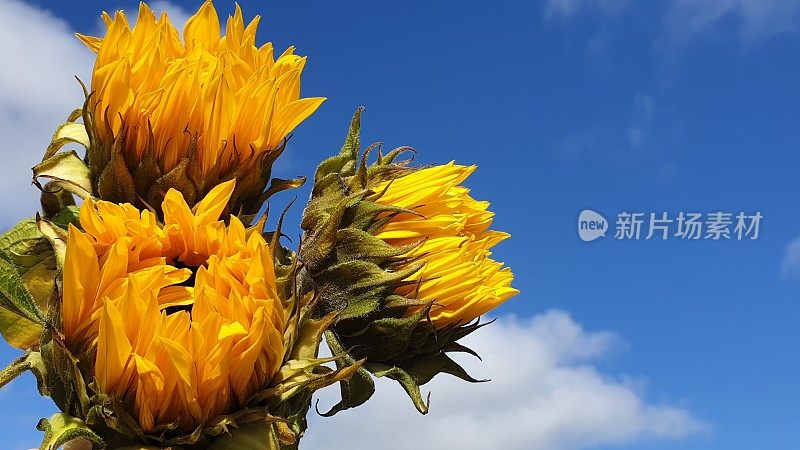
{"x": 184, "y": 317}
{"x": 458, "y": 274}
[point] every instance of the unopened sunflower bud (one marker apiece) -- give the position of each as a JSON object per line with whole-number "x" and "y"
{"x": 403, "y": 255}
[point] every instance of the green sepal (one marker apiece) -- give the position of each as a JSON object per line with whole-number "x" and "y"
{"x": 359, "y": 245}
{"x": 419, "y": 372}
{"x": 386, "y": 338}
{"x": 61, "y": 428}
{"x": 110, "y": 419}
{"x": 270, "y": 433}
{"x": 115, "y": 182}
{"x": 177, "y": 179}
{"x": 64, "y": 379}
{"x": 406, "y": 349}
{"x": 146, "y": 173}
{"x": 406, "y": 381}
{"x": 303, "y": 372}
{"x": 56, "y": 235}
{"x": 356, "y": 288}
{"x": 343, "y": 164}
{"x": 358, "y": 388}
{"x": 279, "y": 185}
{"x": 66, "y": 170}
{"x": 321, "y": 221}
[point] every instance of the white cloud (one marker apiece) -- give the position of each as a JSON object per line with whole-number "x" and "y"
{"x": 38, "y": 90}
{"x": 41, "y": 57}
{"x": 568, "y": 8}
{"x": 753, "y": 20}
{"x": 545, "y": 393}
{"x": 791, "y": 257}
{"x": 687, "y": 20}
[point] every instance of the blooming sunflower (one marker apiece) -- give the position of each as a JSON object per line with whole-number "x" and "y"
{"x": 207, "y": 108}
{"x": 184, "y": 317}
{"x": 454, "y": 243}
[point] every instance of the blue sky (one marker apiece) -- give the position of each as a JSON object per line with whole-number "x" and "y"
{"x": 661, "y": 106}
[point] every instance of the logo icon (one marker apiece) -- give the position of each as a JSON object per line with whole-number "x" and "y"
{"x": 591, "y": 225}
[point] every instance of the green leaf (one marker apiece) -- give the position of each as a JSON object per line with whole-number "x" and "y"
{"x": 68, "y": 171}
{"x": 67, "y": 133}
{"x": 61, "y": 428}
{"x": 20, "y": 237}
{"x": 14, "y": 296}
{"x": 18, "y": 331}
{"x": 31, "y": 255}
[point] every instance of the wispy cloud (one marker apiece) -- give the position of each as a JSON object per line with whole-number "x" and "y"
{"x": 791, "y": 257}
{"x": 37, "y": 92}
{"x": 545, "y": 393}
{"x": 683, "y": 22}
{"x": 750, "y": 20}
{"x": 617, "y": 140}
{"x": 568, "y": 8}
{"x": 643, "y": 110}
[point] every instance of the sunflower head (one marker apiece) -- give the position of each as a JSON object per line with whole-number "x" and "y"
{"x": 404, "y": 255}
{"x": 182, "y": 320}
{"x": 165, "y": 112}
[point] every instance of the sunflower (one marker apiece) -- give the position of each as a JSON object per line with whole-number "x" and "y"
{"x": 454, "y": 243}
{"x": 184, "y": 316}
{"x": 209, "y": 108}
{"x": 403, "y": 256}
